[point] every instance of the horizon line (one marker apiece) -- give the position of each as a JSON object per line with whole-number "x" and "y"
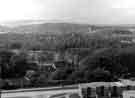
{"x": 29, "y": 21}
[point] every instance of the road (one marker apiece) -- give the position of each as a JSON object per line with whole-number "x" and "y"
{"x": 40, "y": 92}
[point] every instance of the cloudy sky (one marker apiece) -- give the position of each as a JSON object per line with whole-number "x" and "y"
{"x": 85, "y": 11}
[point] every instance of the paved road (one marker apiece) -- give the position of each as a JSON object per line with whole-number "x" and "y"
{"x": 40, "y": 92}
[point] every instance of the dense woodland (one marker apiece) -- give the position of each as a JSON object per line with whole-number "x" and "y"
{"x": 101, "y": 58}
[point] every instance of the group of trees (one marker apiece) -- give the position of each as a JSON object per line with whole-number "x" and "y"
{"x": 14, "y": 65}
{"x": 107, "y": 64}
{"x": 104, "y": 60}
{"x": 117, "y": 61}
{"x": 55, "y": 41}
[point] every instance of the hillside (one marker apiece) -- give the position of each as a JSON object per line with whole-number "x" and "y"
{"x": 52, "y": 35}
{"x": 99, "y": 54}
{"x": 58, "y": 27}
{"x": 55, "y": 28}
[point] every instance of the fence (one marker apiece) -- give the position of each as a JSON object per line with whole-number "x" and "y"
{"x": 104, "y": 92}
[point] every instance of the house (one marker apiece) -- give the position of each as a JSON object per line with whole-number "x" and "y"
{"x": 40, "y": 57}
{"x": 60, "y": 65}
{"x": 17, "y": 83}
{"x": 47, "y": 67}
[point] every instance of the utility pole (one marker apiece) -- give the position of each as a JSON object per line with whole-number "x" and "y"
{"x": 0, "y": 93}
{"x": 76, "y": 62}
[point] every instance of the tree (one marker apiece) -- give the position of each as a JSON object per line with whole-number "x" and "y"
{"x": 104, "y": 58}
{"x": 77, "y": 76}
{"x": 20, "y": 65}
{"x": 15, "y": 45}
{"x": 5, "y": 64}
{"x": 99, "y": 74}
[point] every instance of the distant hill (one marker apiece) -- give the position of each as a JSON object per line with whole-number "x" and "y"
{"x": 55, "y": 28}
{"x": 90, "y": 31}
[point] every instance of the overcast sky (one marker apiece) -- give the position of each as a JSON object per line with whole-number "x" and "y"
{"x": 85, "y": 11}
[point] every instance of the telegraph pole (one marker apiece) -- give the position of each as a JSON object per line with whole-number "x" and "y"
{"x": 0, "y": 93}
{"x": 76, "y": 62}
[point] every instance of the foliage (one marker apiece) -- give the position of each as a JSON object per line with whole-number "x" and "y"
{"x": 104, "y": 59}
{"x": 15, "y": 65}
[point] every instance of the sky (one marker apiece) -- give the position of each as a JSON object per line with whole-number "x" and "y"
{"x": 82, "y": 11}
